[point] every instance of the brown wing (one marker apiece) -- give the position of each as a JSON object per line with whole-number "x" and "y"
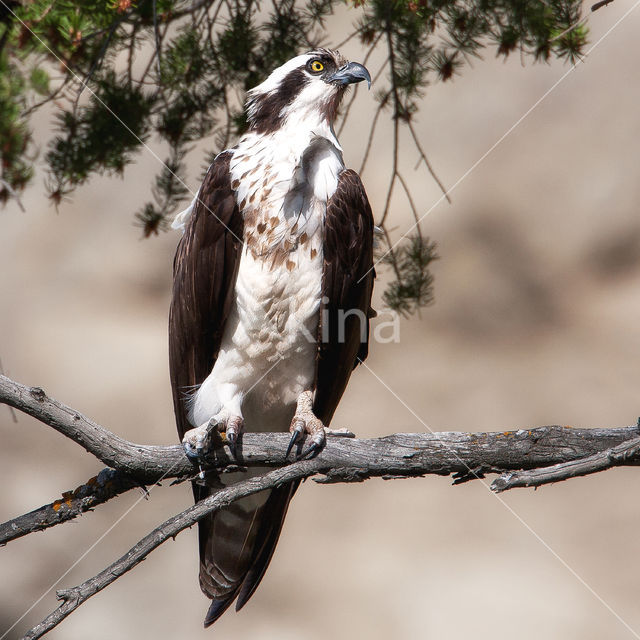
{"x": 204, "y": 274}
{"x": 347, "y": 285}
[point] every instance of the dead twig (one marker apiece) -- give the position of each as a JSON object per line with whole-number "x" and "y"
{"x": 613, "y": 457}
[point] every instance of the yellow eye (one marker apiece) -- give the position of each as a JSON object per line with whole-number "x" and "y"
{"x": 317, "y": 66}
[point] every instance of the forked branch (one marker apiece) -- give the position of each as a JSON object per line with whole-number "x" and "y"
{"x": 74, "y": 597}
{"x": 525, "y": 457}
{"x": 614, "y": 457}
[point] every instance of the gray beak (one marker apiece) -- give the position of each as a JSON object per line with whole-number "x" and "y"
{"x": 351, "y": 72}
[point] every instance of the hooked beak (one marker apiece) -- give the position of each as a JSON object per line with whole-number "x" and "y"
{"x": 351, "y": 72}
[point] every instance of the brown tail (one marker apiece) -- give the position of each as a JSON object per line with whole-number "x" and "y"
{"x": 236, "y": 546}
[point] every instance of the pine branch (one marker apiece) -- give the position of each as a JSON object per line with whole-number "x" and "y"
{"x": 423, "y": 158}
{"x": 13, "y": 193}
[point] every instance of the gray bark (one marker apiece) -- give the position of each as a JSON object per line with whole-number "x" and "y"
{"x": 524, "y": 457}
{"x": 464, "y": 455}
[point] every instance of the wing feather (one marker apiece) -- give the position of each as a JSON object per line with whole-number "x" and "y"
{"x": 347, "y": 285}
{"x": 204, "y": 273}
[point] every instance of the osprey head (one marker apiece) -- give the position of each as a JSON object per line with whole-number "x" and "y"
{"x": 307, "y": 89}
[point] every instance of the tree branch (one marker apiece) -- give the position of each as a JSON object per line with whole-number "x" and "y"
{"x": 613, "y": 457}
{"x": 147, "y": 464}
{"x": 73, "y": 598}
{"x": 407, "y": 454}
{"x": 97, "y": 490}
{"x": 13, "y": 193}
{"x": 562, "y": 451}
{"x": 423, "y": 158}
{"x": 466, "y": 455}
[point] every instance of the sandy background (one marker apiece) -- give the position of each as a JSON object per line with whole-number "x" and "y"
{"x": 535, "y": 322}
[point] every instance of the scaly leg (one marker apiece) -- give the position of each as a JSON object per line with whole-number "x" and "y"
{"x": 305, "y": 421}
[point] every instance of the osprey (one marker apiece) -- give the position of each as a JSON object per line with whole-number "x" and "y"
{"x": 271, "y": 301}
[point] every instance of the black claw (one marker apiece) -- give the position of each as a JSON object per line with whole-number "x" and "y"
{"x": 311, "y": 452}
{"x": 192, "y": 454}
{"x": 232, "y": 438}
{"x": 294, "y": 438}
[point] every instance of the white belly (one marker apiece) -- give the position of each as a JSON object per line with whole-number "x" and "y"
{"x": 269, "y": 345}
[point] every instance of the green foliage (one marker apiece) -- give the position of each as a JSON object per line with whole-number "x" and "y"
{"x": 122, "y": 72}
{"x": 433, "y": 40}
{"x": 15, "y": 136}
{"x": 168, "y": 192}
{"x": 39, "y": 80}
{"x": 412, "y": 286}
{"x": 89, "y": 142}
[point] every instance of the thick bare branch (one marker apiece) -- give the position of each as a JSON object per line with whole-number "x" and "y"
{"x": 403, "y": 453}
{"x": 73, "y": 598}
{"x": 563, "y": 451}
{"x": 466, "y": 455}
{"x": 146, "y": 463}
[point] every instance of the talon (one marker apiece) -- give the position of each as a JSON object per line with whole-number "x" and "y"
{"x": 317, "y": 442}
{"x": 233, "y": 429}
{"x": 197, "y": 442}
{"x": 311, "y": 452}
{"x": 201, "y": 441}
{"x": 305, "y": 421}
{"x": 232, "y": 438}
{"x": 295, "y": 436}
{"x": 190, "y": 452}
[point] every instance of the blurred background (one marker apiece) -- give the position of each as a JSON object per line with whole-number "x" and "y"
{"x": 535, "y": 322}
